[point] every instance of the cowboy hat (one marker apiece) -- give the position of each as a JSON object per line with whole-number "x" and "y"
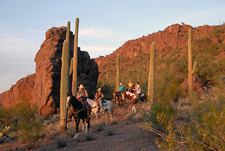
{"x": 81, "y": 86}
{"x": 99, "y": 89}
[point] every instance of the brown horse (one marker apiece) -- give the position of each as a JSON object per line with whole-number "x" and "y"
{"x": 143, "y": 95}
{"x": 119, "y": 98}
{"x": 132, "y": 97}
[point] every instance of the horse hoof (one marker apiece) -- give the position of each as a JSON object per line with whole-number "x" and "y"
{"x": 76, "y": 136}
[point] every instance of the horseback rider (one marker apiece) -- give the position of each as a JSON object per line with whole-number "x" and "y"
{"x": 130, "y": 86}
{"x": 99, "y": 96}
{"x": 121, "y": 88}
{"x": 82, "y": 96}
{"x": 137, "y": 89}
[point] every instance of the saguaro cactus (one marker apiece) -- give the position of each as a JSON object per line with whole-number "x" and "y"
{"x": 64, "y": 86}
{"x": 151, "y": 77}
{"x": 117, "y": 71}
{"x": 190, "y": 70}
{"x": 75, "y": 59}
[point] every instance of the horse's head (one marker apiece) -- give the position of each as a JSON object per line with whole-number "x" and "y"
{"x": 68, "y": 101}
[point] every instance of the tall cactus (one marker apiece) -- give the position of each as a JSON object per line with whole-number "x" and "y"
{"x": 117, "y": 71}
{"x": 75, "y": 60}
{"x": 190, "y": 70}
{"x": 151, "y": 77}
{"x": 64, "y": 86}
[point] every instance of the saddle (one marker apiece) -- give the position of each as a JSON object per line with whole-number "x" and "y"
{"x": 104, "y": 102}
{"x": 142, "y": 94}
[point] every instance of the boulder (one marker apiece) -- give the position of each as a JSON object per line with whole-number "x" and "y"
{"x": 197, "y": 84}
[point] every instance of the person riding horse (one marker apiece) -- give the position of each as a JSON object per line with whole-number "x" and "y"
{"x": 130, "y": 86}
{"x": 121, "y": 88}
{"x": 82, "y": 96}
{"x": 99, "y": 96}
{"x": 137, "y": 89}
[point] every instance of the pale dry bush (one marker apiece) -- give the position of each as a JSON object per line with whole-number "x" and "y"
{"x": 50, "y": 131}
{"x": 83, "y": 136}
{"x": 61, "y": 141}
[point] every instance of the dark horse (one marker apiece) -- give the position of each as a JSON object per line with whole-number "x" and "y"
{"x": 119, "y": 97}
{"x": 79, "y": 111}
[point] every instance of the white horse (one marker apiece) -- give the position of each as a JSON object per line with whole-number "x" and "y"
{"x": 94, "y": 107}
{"x": 107, "y": 106}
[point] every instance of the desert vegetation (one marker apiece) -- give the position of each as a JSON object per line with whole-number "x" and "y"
{"x": 183, "y": 120}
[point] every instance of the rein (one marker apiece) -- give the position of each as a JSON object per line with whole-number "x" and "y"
{"x": 78, "y": 111}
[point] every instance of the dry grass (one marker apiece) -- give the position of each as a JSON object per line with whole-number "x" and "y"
{"x": 61, "y": 141}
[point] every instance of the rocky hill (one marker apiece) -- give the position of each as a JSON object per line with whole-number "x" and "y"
{"x": 43, "y": 87}
{"x": 171, "y": 45}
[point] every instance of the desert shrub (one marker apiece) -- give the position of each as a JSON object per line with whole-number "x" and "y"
{"x": 28, "y": 128}
{"x": 161, "y": 117}
{"x": 5, "y": 116}
{"x": 99, "y": 126}
{"x": 2, "y": 139}
{"x": 109, "y": 131}
{"x": 84, "y": 137}
{"x": 50, "y": 131}
{"x": 205, "y": 132}
{"x": 129, "y": 117}
{"x": 61, "y": 142}
{"x": 70, "y": 132}
{"x": 218, "y": 31}
{"x": 138, "y": 117}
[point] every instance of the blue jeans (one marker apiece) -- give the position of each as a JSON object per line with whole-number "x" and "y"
{"x": 139, "y": 96}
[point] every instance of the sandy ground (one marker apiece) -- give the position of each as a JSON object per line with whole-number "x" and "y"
{"x": 123, "y": 133}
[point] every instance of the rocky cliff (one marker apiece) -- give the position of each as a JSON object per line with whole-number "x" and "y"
{"x": 43, "y": 87}
{"x": 134, "y": 52}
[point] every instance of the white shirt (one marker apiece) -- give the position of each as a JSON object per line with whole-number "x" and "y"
{"x": 138, "y": 88}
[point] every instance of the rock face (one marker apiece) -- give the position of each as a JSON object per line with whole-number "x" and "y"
{"x": 19, "y": 92}
{"x": 169, "y": 39}
{"x": 197, "y": 84}
{"x": 43, "y": 87}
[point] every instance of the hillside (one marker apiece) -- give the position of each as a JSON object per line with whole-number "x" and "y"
{"x": 208, "y": 46}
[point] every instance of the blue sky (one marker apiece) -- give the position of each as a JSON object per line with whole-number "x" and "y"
{"x": 105, "y": 25}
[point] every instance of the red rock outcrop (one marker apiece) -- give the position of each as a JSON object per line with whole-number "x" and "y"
{"x": 172, "y": 37}
{"x": 19, "y": 92}
{"x": 43, "y": 87}
{"x": 197, "y": 84}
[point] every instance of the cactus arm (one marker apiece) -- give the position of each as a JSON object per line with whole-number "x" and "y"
{"x": 75, "y": 60}
{"x": 117, "y": 71}
{"x": 194, "y": 68}
{"x": 71, "y": 66}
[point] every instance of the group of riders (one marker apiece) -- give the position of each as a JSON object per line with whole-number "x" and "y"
{"x": 99, "y": 96}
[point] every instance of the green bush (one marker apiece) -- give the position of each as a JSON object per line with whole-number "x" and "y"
{"x": 161, "y": 117}
{"x": 205, "y": 132}
{"x": 29, "y": 127}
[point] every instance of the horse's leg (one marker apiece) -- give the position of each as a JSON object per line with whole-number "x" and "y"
{"x": 111, "y": 112}
{"x": 84, "y": 125}
{"x": 77, "y": 125}
{"x": 87, "y": 125}
{"x": 134, "y": 108}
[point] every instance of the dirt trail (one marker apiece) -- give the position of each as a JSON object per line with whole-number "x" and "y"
{"x": 124, "y": 133}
